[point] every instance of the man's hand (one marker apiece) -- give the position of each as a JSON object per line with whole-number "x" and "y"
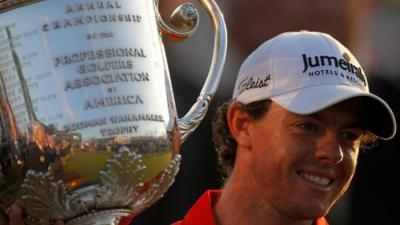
{"x": 16, "y": 215}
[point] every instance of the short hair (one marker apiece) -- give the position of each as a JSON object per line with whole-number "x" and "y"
{"x": 223, "y": 140}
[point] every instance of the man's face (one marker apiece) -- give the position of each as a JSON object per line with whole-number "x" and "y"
{"x": 40, "y": 133}
{"x": 302, "y": 164}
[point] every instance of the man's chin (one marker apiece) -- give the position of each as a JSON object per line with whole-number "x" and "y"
{"x": 312, "y": 212}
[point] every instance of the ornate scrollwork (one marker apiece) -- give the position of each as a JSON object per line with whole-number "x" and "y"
{"x": 121, "y": 181}
{"x": 184, "y": 17}
{"x": 158, "y": 187}
{"x": 121, "y": 192}
{"x": 46, "y": 197}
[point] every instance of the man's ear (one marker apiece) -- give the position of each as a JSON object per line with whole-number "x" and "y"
{"x": 238, "y": 122}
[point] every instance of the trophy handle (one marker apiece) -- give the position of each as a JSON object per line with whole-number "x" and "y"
{"x": 186, "y": 17}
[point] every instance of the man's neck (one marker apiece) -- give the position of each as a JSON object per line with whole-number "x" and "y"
{"x": 238, "y": 205}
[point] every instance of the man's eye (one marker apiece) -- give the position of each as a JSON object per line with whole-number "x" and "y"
{"x": 351, "y": 136}
{"x": 308, "y": 126}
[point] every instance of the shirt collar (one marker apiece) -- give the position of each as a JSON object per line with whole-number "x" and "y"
{"x": 202, "y": 212}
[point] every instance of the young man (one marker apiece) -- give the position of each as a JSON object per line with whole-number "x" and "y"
{"x": 290, "y": 137}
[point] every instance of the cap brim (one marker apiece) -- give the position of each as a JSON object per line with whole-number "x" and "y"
{"x": 379, "y": 119}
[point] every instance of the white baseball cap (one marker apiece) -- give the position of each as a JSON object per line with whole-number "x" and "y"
{"x": 305, "y": 72}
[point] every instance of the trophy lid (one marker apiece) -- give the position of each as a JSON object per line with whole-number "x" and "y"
{"x": 11, "y": 4}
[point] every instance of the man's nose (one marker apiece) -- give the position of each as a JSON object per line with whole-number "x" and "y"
{"x": 329, "y": 149}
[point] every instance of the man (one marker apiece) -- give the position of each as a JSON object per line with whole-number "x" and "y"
{"x": 40, "y": 158}
{"x": 290, "y": 137}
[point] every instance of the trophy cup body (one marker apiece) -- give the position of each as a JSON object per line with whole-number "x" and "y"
{"x": 89, "y": 126}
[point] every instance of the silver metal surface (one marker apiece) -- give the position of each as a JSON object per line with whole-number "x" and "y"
{"x": 180, "y": 21}
{"x": 11, "y": 4}
{"x": 185, "y": 16}
{"x": 88, "y": 121}
{"x": 192, "y": 119}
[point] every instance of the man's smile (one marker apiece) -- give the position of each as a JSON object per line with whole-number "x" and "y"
{"x": 315, "y": 179}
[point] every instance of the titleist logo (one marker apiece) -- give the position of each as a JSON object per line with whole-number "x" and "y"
{"x": 251, "y": 83}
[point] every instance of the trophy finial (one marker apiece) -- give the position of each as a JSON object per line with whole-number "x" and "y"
{"x": 185, "y": 16}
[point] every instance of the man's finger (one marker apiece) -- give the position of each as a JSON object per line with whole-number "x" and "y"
{"x": 16, "y": 215}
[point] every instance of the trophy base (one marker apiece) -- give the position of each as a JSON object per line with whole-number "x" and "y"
{"x": 104, "y": 217}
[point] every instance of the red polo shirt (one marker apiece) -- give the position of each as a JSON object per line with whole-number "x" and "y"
{"x": 201, "y": 212}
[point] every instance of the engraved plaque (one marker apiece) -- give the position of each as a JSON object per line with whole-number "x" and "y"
{"x": 75, "y": 59}
{"x": 89, "y": 126}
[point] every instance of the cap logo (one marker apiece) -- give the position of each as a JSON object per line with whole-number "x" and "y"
{"x": 343, "y": 64}
{"x": 346, "y": 57}
{"x": 251, "y": 83}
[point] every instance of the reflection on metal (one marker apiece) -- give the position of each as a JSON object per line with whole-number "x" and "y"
{"x": 24, "y": 86}
{"x": 121, "y": 188}
{"x": 47, "y": 197}
{"x": 108, "y": 217}
{"x": 158, "y": 187}
{"x": 192, "y": 119}
{"x": 86, "y": 164}
{"x": 8, "y": 125}
{"x": 122, "y": 177}
{"x": 185, "y": 17}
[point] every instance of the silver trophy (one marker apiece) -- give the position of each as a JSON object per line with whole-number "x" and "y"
{"x": 89, "y": 127}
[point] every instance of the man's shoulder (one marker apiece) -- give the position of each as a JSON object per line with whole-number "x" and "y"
{"x": 321, "y": 221}
{"x": 202, "y": 210}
